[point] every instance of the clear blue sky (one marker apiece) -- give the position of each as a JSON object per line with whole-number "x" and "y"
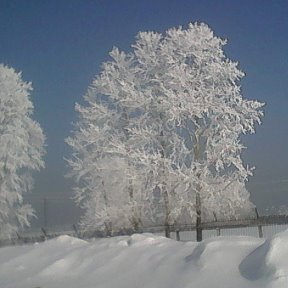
{"x": 60, "y": 45}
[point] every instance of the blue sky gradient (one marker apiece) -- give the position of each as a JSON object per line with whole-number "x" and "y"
{"x": 60, "y": 45}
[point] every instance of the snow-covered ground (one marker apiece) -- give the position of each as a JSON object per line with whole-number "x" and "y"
{"x": 147, "y": 261}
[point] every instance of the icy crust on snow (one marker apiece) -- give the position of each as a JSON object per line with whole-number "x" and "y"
{"x": 146, "y": 260}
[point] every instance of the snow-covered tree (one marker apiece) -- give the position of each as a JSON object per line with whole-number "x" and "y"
{"x": 213, "y": 113}
{"x": 184, "y": 115}
{"x": 21, "y": 150}
{"x": 108, "y": 187}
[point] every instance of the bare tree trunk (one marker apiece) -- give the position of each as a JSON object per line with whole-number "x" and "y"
{"x": 108, "y": 228}
{"x": 166, "y": 204}
{"x": 198, "y": 203}
{"x": 165, "y": 192}
{"x": 164, "y": 189}
{"x": 135, "y": 219}
{"x": 167, "y": 231}
{"x": 108, "y": 224}
{"x": 199, "y": 218}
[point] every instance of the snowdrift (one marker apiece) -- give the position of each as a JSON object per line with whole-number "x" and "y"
{"x": 268, "y": 262}
{"x": 146, "y": 260}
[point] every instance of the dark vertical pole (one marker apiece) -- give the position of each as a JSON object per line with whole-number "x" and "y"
{"x": 260, "y": 230}
{"x": 177, "y": 235}
{"x": 45, "y": 212}
{"x": 197, "y": 156}
{"x": 218, "y": 231}
{"x": 198, "y": 218}
{"x": 76, "y": 231}
{"x": 44, "y": 233}
{"x": 167, "y": 230}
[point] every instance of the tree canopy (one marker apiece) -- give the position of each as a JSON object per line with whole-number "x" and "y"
{"x": 172, "y": 110}
{"x": 21, "y": 150}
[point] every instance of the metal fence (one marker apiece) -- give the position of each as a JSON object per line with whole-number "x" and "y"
{"x": 263, "y": 226}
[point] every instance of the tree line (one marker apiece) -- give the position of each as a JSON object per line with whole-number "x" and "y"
{"x": 158, "y": 137}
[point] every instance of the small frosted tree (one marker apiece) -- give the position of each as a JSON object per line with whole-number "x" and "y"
{"x": 21, "y": 150}
{"x": 107, "y": 185}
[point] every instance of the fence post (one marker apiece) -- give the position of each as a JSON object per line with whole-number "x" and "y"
{"x": 76, "y": 231}
{"x": 177, "y": 235}
{"x": 19, "y": 238}
{"x": 44, "y": 233}
{"x": 260, "y": 230}
{"x": 218, "y": 230}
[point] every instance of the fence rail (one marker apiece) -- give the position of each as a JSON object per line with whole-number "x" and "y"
{"x": 218, "y": 226}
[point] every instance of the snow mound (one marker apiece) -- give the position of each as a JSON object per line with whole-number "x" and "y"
{"x": 65, "y": 239}
{"x": 147, "y": 261}
{"x": 268, "y": 262}
{"x": 147, "y": 239}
